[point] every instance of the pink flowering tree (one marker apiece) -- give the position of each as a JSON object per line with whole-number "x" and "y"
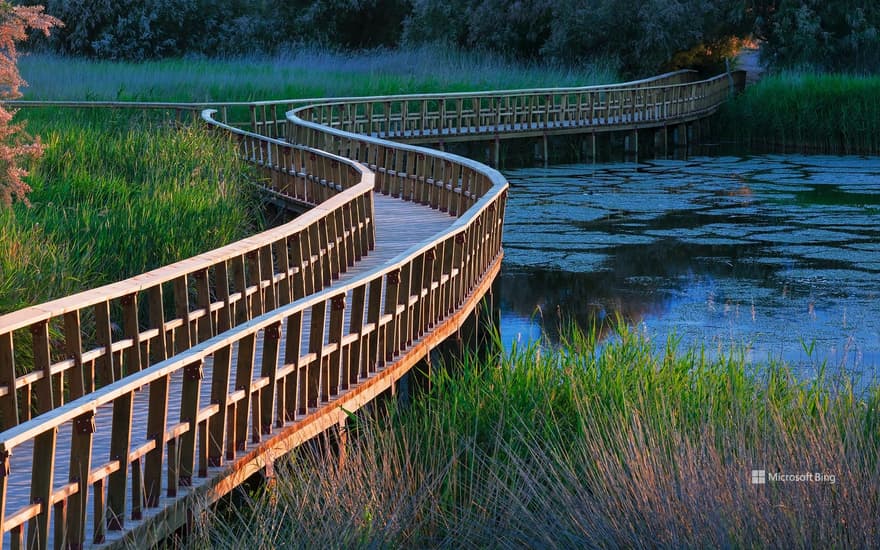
{"x": 15, "y": 144}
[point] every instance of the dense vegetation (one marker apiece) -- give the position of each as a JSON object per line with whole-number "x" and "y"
{"x": 612, "y": 446}
{"x": 843, "y": 35}
{"x": 639, "y": 37}
{"x": 304, "y": 73}
{"x": 806, "y": 112}
{"x": 114, "y": 196}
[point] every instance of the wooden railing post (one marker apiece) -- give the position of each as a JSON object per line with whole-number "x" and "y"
{"x": 335, "y": 361}
{"x": 355, "y": 326}
{"x": 42, "y": 362}
{"x": 205, "y": 324}
{"x": 287, "y": 392}
{"x": 42, "y": 474}
{"x": 159, "y": 348}
{"x": 157, "y": 417}
{"x": 280, "y": 251}
{"x": 313, "y": 382}
{"x": 267, "y": 273}
{"x": 243, "y": 377}
{"x": 220, "y": 371}
{"x": 120, "y": 443}
{"x": 8, "y": 402}
{"x": 255, "y": 279}
{"x": 73, "y": 347}
{"x": 182, "y": 335}
{"x": 131, "y": 330}
{"x": 83, "y": 429}
{"x": 189, "y": 411}
{"x": 392, "y": 296}
{"x": 271, "y": 343}
{"x": 4, "y": 483}
{"x": 375, "y": 354}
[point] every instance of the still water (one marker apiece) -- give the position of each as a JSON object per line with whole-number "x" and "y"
{"x": 775, "y": 255}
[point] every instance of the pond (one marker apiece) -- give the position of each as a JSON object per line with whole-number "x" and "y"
{"x": 776, "y": 256}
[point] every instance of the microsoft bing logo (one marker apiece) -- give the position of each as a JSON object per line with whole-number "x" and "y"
{"x": 759, "y": 477}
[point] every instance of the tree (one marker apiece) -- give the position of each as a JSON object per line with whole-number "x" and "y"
{"x": 15, "y": 143}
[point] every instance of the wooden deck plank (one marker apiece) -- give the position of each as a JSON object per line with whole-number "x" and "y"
{"x": 399, "y": 226}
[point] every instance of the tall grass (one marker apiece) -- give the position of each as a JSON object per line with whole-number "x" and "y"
{"x": 114, "y": 196}
{"x": 304, "y": 73}
{"x": 118, "y": 192}
{"x": 807, "y": 112}
{"x": 617, "y": 446}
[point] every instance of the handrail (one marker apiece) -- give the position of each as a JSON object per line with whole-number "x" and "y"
{"x": 338, "y": 340}
{"x": 124, "y": 327}
{"x": 354, "y": 330}
{"x": 439, "y": 118}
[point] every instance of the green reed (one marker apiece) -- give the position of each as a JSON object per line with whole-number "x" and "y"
{"x": 807, "y": 112}
{"x": 585, "y": 446}
{"x": 115, "y": 195}
{"x": 304, "y": 73}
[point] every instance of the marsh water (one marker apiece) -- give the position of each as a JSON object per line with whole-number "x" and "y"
{"x": 776, "y": 256}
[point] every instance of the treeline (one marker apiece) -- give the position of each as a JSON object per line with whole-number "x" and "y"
{"x": 635, "y": 36}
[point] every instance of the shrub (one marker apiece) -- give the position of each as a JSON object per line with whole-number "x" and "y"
{"x": 836, "y": 36}
{"x": 15, "y": 144}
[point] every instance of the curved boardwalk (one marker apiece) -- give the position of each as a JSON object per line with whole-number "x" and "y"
{"x": 402, "y": 225}
{"x": 127, "y": 409}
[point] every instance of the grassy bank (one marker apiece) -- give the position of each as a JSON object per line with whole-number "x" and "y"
{"x": 806, "y": 113}
{"x": 116, "y": 194}
{"x": 306, "y": 73}
{"x": 112, "y": 198}
{"x": 616, "y": 446}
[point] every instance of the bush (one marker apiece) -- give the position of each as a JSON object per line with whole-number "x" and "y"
{"x": 641, "y": 37}
{"x": 831, "y": 36}
{"x": 15, "y": 144}
{"x": 138, "y": 30}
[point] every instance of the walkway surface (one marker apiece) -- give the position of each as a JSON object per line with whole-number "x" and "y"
{"x": 399, "y": 225}
{"x": 749, "y": 60}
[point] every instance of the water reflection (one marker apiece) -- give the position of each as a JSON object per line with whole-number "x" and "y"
{"x": 774, "y": 253}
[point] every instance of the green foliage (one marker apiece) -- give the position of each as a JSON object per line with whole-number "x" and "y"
{"x": 831, "y": 36}
{"x": 351, "y": 24}
{"x": 124, "y": 29}
{"x": 139, "y": 30}
{"x": 306, "y": 73}
{"x": 642, "y": 37}
{"x": 611, "y": 445}
{"x": 806, "y": 112}
{"x": 114, "y": 196}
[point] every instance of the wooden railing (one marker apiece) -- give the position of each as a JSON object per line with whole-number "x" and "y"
{"x": 67, "y": 348}
{"x": 342, "y": 345}
{"x": 467, "y": 116}
{"x": 354, "y": 331}
{"x": 371, "y": 321}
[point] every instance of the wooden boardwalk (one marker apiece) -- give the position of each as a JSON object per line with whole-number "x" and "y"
{"x": 130, "y": 408}
{"x": 399, "y": 226}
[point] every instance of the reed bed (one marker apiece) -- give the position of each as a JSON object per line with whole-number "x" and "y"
{"x": 115, "y": 195}
{"x": 302, "y": 73}
{"x": 585, "y": 446}
{"x": 806, "y": 113}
